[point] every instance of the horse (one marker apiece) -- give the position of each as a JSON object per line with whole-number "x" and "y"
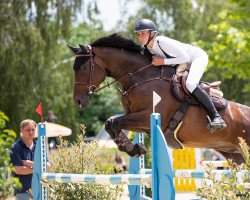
{"x": 122, "y": 59}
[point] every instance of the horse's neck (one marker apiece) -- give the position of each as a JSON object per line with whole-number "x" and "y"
{"x": 120, "y": 63}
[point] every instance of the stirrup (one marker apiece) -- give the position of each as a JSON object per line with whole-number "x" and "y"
{"x": 211, "y": 126}
{"x": 214, "y": 127}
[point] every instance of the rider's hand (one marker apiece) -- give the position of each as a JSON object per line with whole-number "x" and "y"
{"x": 157, "y": 61}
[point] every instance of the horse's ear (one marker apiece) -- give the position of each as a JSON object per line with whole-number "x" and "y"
{"x": 74, "y": 49}
{"x": 84, "y": 48}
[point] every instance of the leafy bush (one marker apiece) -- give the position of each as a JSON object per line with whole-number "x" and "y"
{"x": 81, "y": 158}
{"x": 228, "y": 188}
{"x": 7, "y": 136}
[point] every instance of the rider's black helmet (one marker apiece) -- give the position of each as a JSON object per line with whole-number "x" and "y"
{"x": 145, "y": 25}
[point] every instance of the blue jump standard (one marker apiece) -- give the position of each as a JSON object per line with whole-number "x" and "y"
{"x": 161, "y": 179}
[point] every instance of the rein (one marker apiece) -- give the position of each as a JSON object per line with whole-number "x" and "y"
{"x": 120, "y": 79}
{"x": 92, "y": 89}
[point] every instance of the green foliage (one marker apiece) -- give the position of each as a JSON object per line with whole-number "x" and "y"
{"x": 36, "y": 65}
{"x": 229, "y": 53}
{"x": 33, "y": 42}
{"x": 81, "y": 158}
{"x": 7, "y": 136}
{"x": 228, "y": 188}
{"x": 186, "y": 21}
{"x": 101, "y": 107}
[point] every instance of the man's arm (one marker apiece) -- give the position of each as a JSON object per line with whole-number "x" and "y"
{"x": 28, "y": 163}
{"x": 23, "y": 170}
{"x": 21, "y": 167}
{"x": 27, "y": 168}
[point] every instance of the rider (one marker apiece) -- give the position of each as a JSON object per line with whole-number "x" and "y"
{"x": 167, "y": 51}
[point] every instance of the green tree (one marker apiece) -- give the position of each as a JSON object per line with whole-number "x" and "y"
{"x": 229, "y": 52}
{"x": 102, "y": 106}
{"x": 7, "y": 136}
{"x": 33, "y": 39}
{"x": 186, "y": 21}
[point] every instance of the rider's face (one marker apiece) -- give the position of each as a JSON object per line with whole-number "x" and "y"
{"x": 143, "y": 37}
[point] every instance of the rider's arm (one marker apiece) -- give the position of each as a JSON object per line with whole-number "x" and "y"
{"x": 175, "y": 48}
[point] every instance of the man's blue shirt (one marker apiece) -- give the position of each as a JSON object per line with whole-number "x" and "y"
{"x": 19, "y": 152}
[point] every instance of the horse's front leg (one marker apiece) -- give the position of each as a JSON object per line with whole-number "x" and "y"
{"x": 134, "y": 121}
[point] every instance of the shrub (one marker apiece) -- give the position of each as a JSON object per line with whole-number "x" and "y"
{"x": 228, "y": 188}
{"x": 81, "y": 158}
{"x": 7, "y": 137}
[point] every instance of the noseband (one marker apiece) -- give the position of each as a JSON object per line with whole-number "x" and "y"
{"x": 92, "y": 89}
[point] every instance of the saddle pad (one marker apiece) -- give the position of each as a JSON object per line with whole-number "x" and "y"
{"x": 181, "y": 94}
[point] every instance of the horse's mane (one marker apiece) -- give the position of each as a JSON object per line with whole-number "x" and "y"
{"x": 117, "y": 41}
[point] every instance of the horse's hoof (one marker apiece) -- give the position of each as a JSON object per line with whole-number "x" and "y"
{"x": 137, "y": 151}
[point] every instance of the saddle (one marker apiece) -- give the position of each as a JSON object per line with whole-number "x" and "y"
{"x": 181, "y": 93}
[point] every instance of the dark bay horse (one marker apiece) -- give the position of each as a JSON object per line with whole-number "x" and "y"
{"x": 120, "y": 58}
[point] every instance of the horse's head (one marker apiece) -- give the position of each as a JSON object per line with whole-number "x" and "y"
{"x": 88, "y": 74}
{"x": 113, "y": 55}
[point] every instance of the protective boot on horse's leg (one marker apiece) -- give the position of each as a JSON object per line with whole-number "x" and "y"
{"x": 216, "y": 121}
{"x": 122, "y": 141}
{"x": 113, "y": 127}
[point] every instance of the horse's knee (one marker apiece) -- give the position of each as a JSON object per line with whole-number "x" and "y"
{"x": 112, "y": 125}
{"x": 116, "y": 125}
{"x": 108, "y": 128}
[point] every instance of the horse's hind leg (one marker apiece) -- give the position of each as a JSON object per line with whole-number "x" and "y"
{"x": 114, "y": 126}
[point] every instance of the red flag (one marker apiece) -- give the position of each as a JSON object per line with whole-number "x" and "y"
{"x": 39, "y": 111}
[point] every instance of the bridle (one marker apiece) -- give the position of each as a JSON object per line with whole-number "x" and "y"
{"x": 93, "y": 89}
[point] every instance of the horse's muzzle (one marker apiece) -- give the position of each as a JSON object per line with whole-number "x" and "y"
{"x": 82, "y": 102}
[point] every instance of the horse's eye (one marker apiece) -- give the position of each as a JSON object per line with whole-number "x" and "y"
{"x": 84, "y": 67}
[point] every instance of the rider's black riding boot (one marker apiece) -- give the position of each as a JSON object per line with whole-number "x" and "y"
{"x": 216, "y": 121}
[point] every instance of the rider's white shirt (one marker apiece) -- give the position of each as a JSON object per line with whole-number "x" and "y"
{"x": 181, "y": 52}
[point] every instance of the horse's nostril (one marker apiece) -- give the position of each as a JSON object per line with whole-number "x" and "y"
{"x": 78, "y": 101}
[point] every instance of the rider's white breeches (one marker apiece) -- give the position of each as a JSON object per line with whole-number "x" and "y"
{"x": 196, "y": 71}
